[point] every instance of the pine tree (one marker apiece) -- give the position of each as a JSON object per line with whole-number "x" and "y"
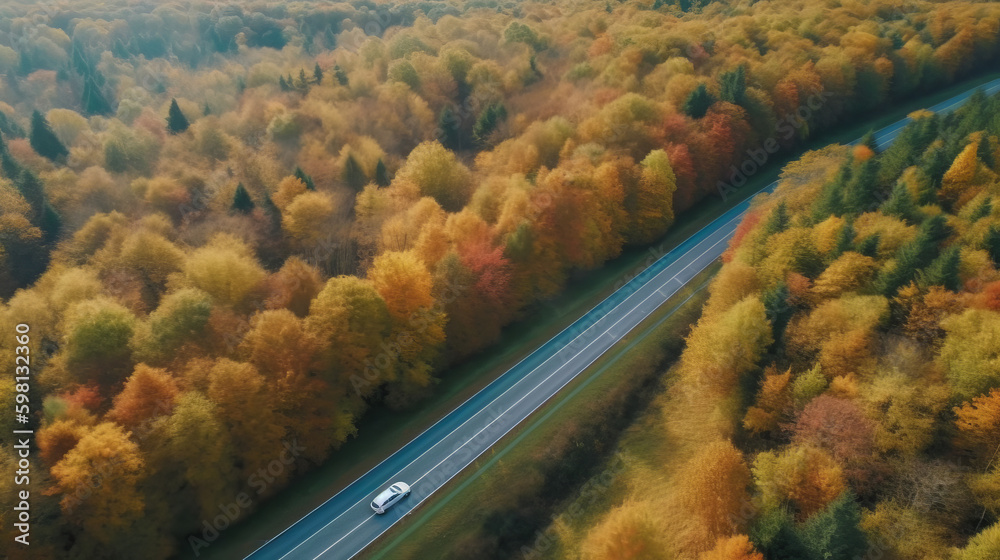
{"x": 94, "y": 102}
{"x": 869, "y": 245}
{"x": 448, "y": 132}
{"x": 306, "y": 179}
{"x": 31, "y": 188}
{"x": 698, "y": 102}
{"x": 50, "y": 223}
{"x": 353, "y": 174}
{"x": 381, "y": 174}
{"x": 943, "y": 271}
{"x": 859, "y": 195}
{"x": 487, "y": 122}
{"x": 242, "y": 202}
{"x": 317, "y": 74}
{"x": 302, "y": 83}
{"x": 834, "y": 532}
{"x": 734, "y": 85}
{"x": 992, "y": 245}
{"x": 779, "y": 220}
{"x": 43, "y": 140}
{"x": 845, "y": 240}
{"x": 282, "y": 84}
{"x": 983, "y": 210}
{"x": 176, "y": 121}
{"x": 985, "y": 151}
{"x": 935, "y": 162}
{"x": 900, "y": 204}
{"x": 341, "y": 76}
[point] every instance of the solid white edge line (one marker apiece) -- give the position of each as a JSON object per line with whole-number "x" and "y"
{"x": 518, "y": 382}
{"x": 989, "y": 88}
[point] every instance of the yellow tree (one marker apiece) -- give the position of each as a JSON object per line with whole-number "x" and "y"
{"x": 653, "y": 202}
{"x": 711, "y": 492}
{"x": 225, "y": 269}
{"x": 961, "y": 175}
{"x": 106, "y": 510}
{"x": 628, "y": 532}
{"x": 737, "y": 547}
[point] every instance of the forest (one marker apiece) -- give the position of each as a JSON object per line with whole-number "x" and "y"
{"x": 251, "y": 223}
{"x": 839, "y": 398}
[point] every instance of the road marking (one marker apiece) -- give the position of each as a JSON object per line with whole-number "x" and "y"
{"x": 899, "y": 125}
{"x": 627, "y": 313}
{"x": 526, "y": 376}
{"x": 706, "y": 265}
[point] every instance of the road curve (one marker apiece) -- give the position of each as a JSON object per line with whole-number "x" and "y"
{"x": 345, "y": 524}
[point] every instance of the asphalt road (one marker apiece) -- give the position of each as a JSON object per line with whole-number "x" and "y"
{"x": 345, "y": 524}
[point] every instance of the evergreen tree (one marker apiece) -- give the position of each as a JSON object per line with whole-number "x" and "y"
{"x": 900, "y": 204}
{"x": 734, "y": 85}
{"x": 176, "y": 121}
{"x": 869, "y": 245}
{"x": 830, "y": 201}
{"x": 914, "y": 255}
{"x": 779, "y": 220}
{"x": 834, "y": 533}
{"x": 302, "y": 83}
{"x": 935, "y": 162}
{"x": 698, "y": 102}
{"x": 283, "y": 84}
{"x": 31, "y": 188}
{"x": 272, "y": 212}
{"x": 983, "y": 210}
{"x": 43, "y": 140}
{"x": 845, "y": 240}
{"x": 448, "y": 132}
{"x": 775, "y": 536}
{"x": 779, "y": 312}
{"x": 487, "y": 122}
{"x": 354, "y": 176}
{"x": 10, "y": 127}
{"x": 306, "y": 179}
{"x": 943, "y": 271}
{"x": 341, "y": 76}
{"x": 984, "y": 151}
{"x": 50, "y": 223}
{"x": 318, "y": 74}
{"x": 860, "y": 193}
{"x": 242, "y": 202}
{"x": 992, "y": 245}
{"x": 94, "y": 102}
{"x": 381, "y": 174}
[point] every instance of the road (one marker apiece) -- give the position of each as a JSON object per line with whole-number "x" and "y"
{"x": 345, "y": 524}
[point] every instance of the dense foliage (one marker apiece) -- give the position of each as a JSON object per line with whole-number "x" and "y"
{"x": 839, "y": 397}
{"x": 234, "y": 226}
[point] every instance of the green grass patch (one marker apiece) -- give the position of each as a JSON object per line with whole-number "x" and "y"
{"x": 456, "y": 513}
{"x": 382, "y": 433}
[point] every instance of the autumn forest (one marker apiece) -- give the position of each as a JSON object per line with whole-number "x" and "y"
{"x": 251, "y": 223}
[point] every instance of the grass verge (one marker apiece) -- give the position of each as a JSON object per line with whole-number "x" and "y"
{"x": 385, "y": 431}
{"x": 458, "y": 511}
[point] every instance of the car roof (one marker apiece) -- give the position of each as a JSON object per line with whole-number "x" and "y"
{"x": 395, "y": 488}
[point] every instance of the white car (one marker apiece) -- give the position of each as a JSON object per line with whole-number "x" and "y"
{"x": 390, "y": 496}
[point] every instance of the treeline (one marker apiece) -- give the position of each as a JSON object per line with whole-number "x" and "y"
{"x": 250, "y": 223}
{"x": 839, "y": 397}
